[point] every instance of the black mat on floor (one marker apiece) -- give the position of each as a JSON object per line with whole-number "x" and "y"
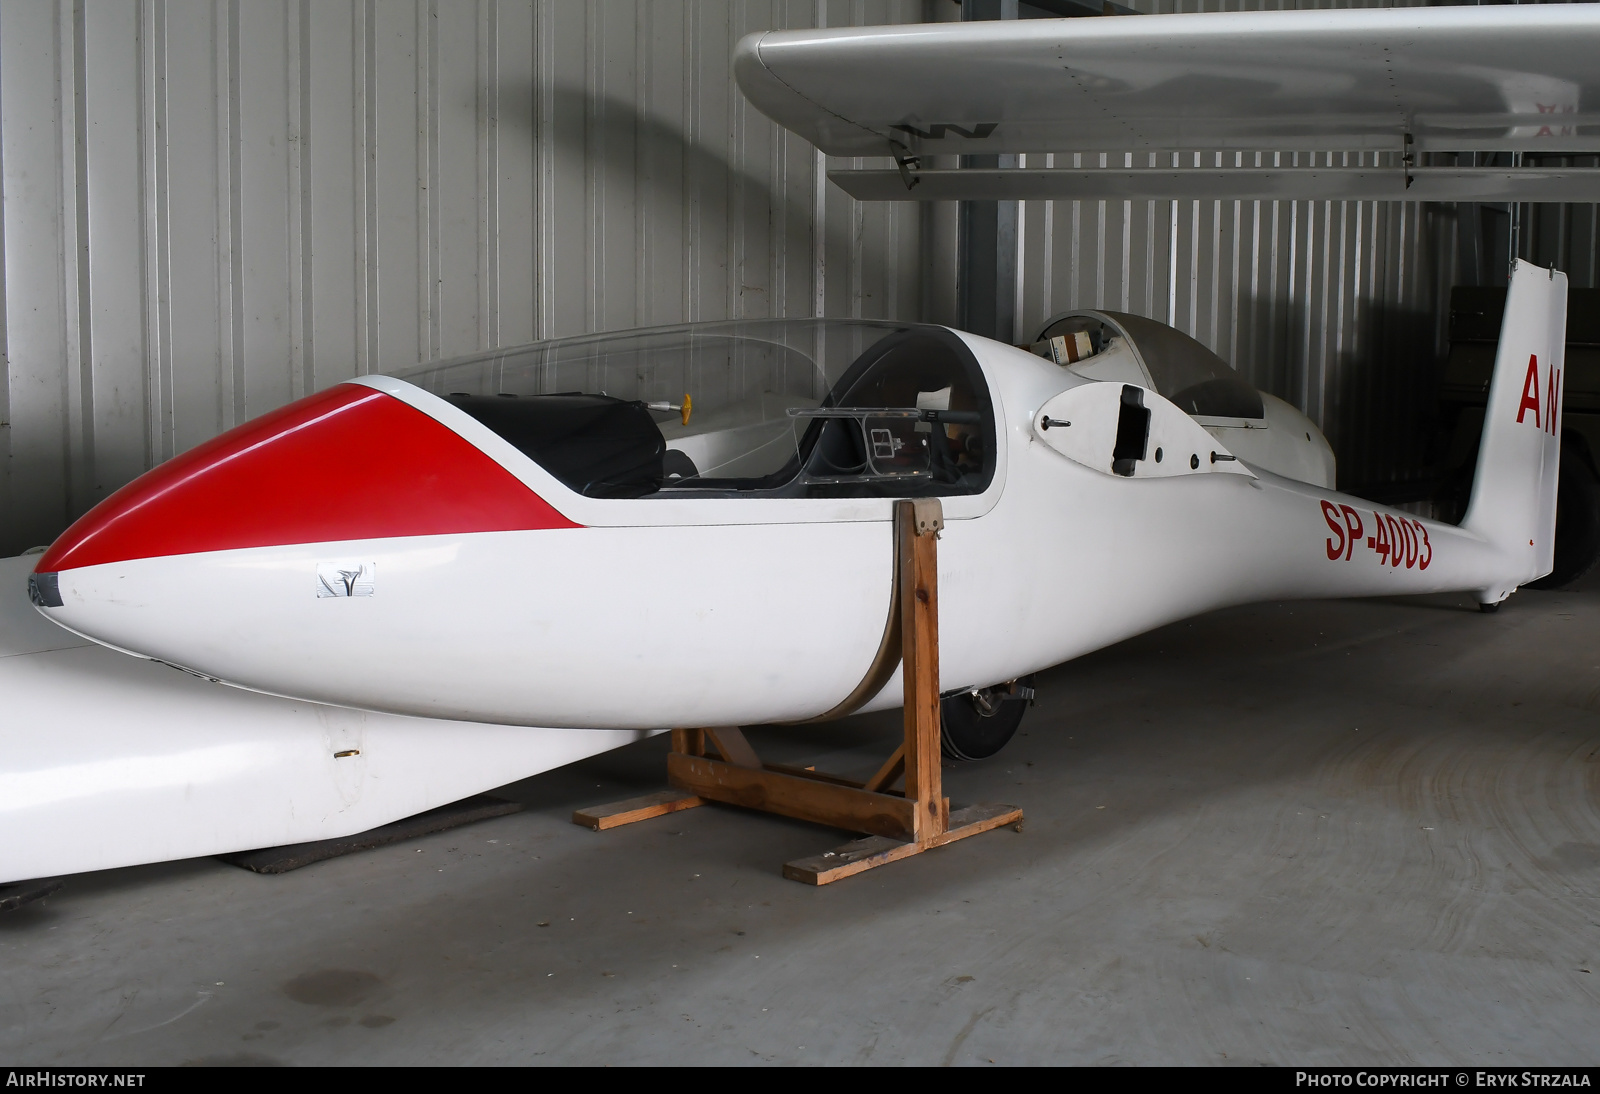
{"x": 280, "y": 860}
{"x": 18, "y": 893}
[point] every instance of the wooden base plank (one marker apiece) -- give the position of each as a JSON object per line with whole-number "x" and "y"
{"x": 864, "y": 854}
{"x": 807, "y": 799}
{"x": 853, "y": 858}
{"x": 616, "y": 814}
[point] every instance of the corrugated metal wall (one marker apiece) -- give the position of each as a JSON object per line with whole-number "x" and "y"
{"x": 1338, "y": 307}
{"x": 214, "y": 206}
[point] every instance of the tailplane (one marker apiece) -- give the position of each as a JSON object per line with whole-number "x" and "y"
{"x": 1513, "y": 502}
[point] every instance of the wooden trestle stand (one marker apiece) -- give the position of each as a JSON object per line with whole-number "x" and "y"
{"x": 898, "y": 823}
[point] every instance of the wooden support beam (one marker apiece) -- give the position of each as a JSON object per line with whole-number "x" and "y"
{"x": 918, "y": 524}
{"x": 730, "y": 742}
{"x": 792, "y": 796}
{"x": 899, "y": 825}
{"x": 690, "y": 742}
{"x": 892, "y": 769}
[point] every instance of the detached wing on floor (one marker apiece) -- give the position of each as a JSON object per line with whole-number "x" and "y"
{"x": 1395, "y": 87}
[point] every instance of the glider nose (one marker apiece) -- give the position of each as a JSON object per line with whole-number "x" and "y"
{"x": 348, "y": 463}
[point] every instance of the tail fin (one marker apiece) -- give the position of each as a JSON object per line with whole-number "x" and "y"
{"x": 1514, "y": 493}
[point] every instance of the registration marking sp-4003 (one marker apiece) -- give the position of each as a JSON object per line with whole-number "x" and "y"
{"x": 1397, "y": 541}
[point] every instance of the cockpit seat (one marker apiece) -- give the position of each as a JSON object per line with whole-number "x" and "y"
{"x": 599, "y": 446}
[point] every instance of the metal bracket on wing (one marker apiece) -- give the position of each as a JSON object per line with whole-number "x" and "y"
{"x": 906, "y": 163}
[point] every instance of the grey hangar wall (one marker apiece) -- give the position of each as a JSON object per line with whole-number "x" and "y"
{"x": 211, "y": 207}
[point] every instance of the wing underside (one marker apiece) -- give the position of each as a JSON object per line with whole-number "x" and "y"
{"x": 1405, "y": 98}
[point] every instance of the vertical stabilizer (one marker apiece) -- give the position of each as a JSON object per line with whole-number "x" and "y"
{"x": 1514, "y": 492}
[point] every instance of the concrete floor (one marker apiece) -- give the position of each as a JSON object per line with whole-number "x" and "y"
{"x": 1335, "y": 833}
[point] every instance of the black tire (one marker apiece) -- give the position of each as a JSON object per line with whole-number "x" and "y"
{"x": 966, "y": 732}
{"x": 1577, "y": 522}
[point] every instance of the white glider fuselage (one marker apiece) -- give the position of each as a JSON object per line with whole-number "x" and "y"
{"x": 676, "y": 609}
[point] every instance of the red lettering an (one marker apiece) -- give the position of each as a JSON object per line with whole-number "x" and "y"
{"x": 1530, "y": 392}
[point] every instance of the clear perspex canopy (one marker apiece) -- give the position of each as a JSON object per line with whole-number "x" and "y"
{"x": 791, "y": 408}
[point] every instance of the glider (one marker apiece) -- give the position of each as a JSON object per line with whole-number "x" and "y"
{"x": 514, "y": 559}
{"x": 691, "y": 526}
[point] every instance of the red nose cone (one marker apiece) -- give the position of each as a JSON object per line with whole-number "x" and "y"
{"x": 347, "y": 463}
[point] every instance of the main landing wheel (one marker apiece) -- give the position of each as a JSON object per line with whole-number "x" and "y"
{"x": 974, "y": 725}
